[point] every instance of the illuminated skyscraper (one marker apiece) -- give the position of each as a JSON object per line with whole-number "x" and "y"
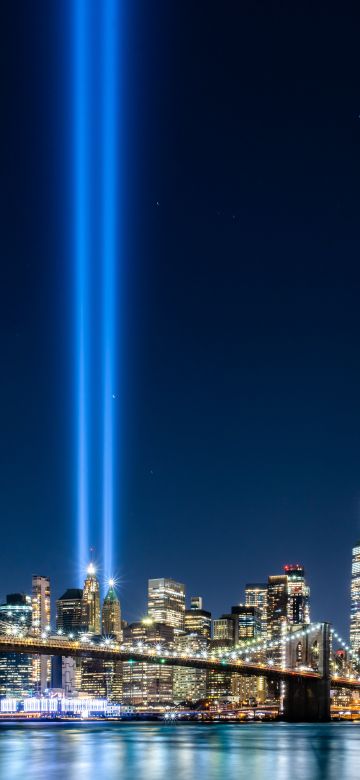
{"x": 197, "y": 620}
{"x": 298, "y": 594}
{"x": 166, "y": 602}
{"x": 90, "y": 608}
{"x": 144, "y": 684}
{"x": 278, "y": 615}
{"x": 69, "y": 611}
{"x": 248, "y": 619}
{"x": 16, "y": 669}
{"x": 225, "y": 630}
{"x": 111, "y": 613}
{"x": 256, "y": 595}
{"x": 355, "y": 600}
{"x": 41, "y": 617}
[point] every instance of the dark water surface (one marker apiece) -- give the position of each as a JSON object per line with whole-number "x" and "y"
{"x": 179, "y": 752}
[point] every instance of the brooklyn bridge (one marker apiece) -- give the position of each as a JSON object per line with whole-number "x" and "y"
{"x": 305, "y": 668}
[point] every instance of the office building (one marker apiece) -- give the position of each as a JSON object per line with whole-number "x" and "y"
{"x": 355, "y": 600}
{"x": 298, "y": 594}
{"x": 197, "y": 620}
{"x": 225, "y": 630}
{"x": 189, "y": 683}
{"x": 166, "y": 602}
{"x": 16, "y": 669}
{"x": 41, "y": 619}
{"x": 69, "y": 611}
{"x": 278, "y": 615}
{"x": 90, "y": 608}
{"x": 111, "y": 614}
{"x": 147, "y": 685}
{"x": 248, "y": 619}
{"x": 256, "y": 595}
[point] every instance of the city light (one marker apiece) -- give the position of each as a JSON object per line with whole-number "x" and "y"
{"x": 82, "y": 185}
{"x": 109, "y": 141}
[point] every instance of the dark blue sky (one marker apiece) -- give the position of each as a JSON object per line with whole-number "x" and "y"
{"x": 240, "y": 381}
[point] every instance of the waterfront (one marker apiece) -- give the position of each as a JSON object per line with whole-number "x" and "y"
{"x": 179, "y": 752}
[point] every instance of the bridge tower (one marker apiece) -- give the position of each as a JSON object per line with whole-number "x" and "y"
{"x": 309, "y": 699}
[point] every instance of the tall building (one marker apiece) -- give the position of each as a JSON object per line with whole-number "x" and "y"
{"x": 298, "y": 594}
{"x": 69, "y": 611}
{"x": 189, "y": 683}
{"x": 148, "y": 685}
{"x": 355, "y": 600}
{"x": 41, "y": 618}
{"x": 248, "y": 619}
{"x": 166, "y": 602}
{"x": 278, "y": 615}
{"x": 256, "y": 595}
{"x": 90, "y": 608}
{"x": 225, "y": 630}
{"x": 111, "y": 613}
{"x": 16, "y": 669}
{"x": 197, "y": 620}
{"x": 41, "y": 607}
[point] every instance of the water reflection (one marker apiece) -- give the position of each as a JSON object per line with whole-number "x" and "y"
{"x": 179, "y": 752}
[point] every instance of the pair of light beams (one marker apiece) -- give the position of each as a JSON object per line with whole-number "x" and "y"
{"x": 95, "y": 166}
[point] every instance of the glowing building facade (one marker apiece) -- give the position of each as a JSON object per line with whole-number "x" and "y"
{"x": 190, "y": 685}
{"x": 197, "y": 620}
{"x": 111, "y": 614}
{"x": 90, "y": 608}
{"x": 355, "y": 600}
{"x": 69, "y": 611}
{"x": 148, "y": 685}
{"x": 256, "y": 595}
{"x": 298, "y": 594}
{"x": 166, "y": 602}
{"x": 248, "y": 621}
{"x": 278, "y": 615}
{"x": 16, "y": 669}
{"x": 41, "y": 619}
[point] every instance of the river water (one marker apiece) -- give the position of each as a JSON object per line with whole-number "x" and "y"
{"x": 182, "y": 751}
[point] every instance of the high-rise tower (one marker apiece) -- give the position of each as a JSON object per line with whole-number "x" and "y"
{"x": 111, "y": 613}
{"x": 355, "y": 599}
{"x": 166, "y": 602}
{"x": 298, "y": 594}
{"x": 90, "y": 609}
{"x": 41, "y": 624}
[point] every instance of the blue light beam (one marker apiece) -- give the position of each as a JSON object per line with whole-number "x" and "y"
{"x": 109, "y": 249}
{"x": 81, "y": 168}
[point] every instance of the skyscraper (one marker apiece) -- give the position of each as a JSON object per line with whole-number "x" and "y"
{"x": 248, "y": 620}
{"x": 69, "y": 611}
{"x": 90, "y": 608}
{"x": 298, "y": 594}
{"x": 41, "y": 617}
{"x": 256, "y": 595}
{"x": 166, "y": 602}
{"x": 111, "y": 613}
{"x": 16, "y": 669}
{"x": 197, "y": 620}
{"x": 278, "y": 614}
{"x": 355, "y": 600}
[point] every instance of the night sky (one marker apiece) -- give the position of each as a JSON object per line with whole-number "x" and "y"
{"x": 239, "y": 388}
